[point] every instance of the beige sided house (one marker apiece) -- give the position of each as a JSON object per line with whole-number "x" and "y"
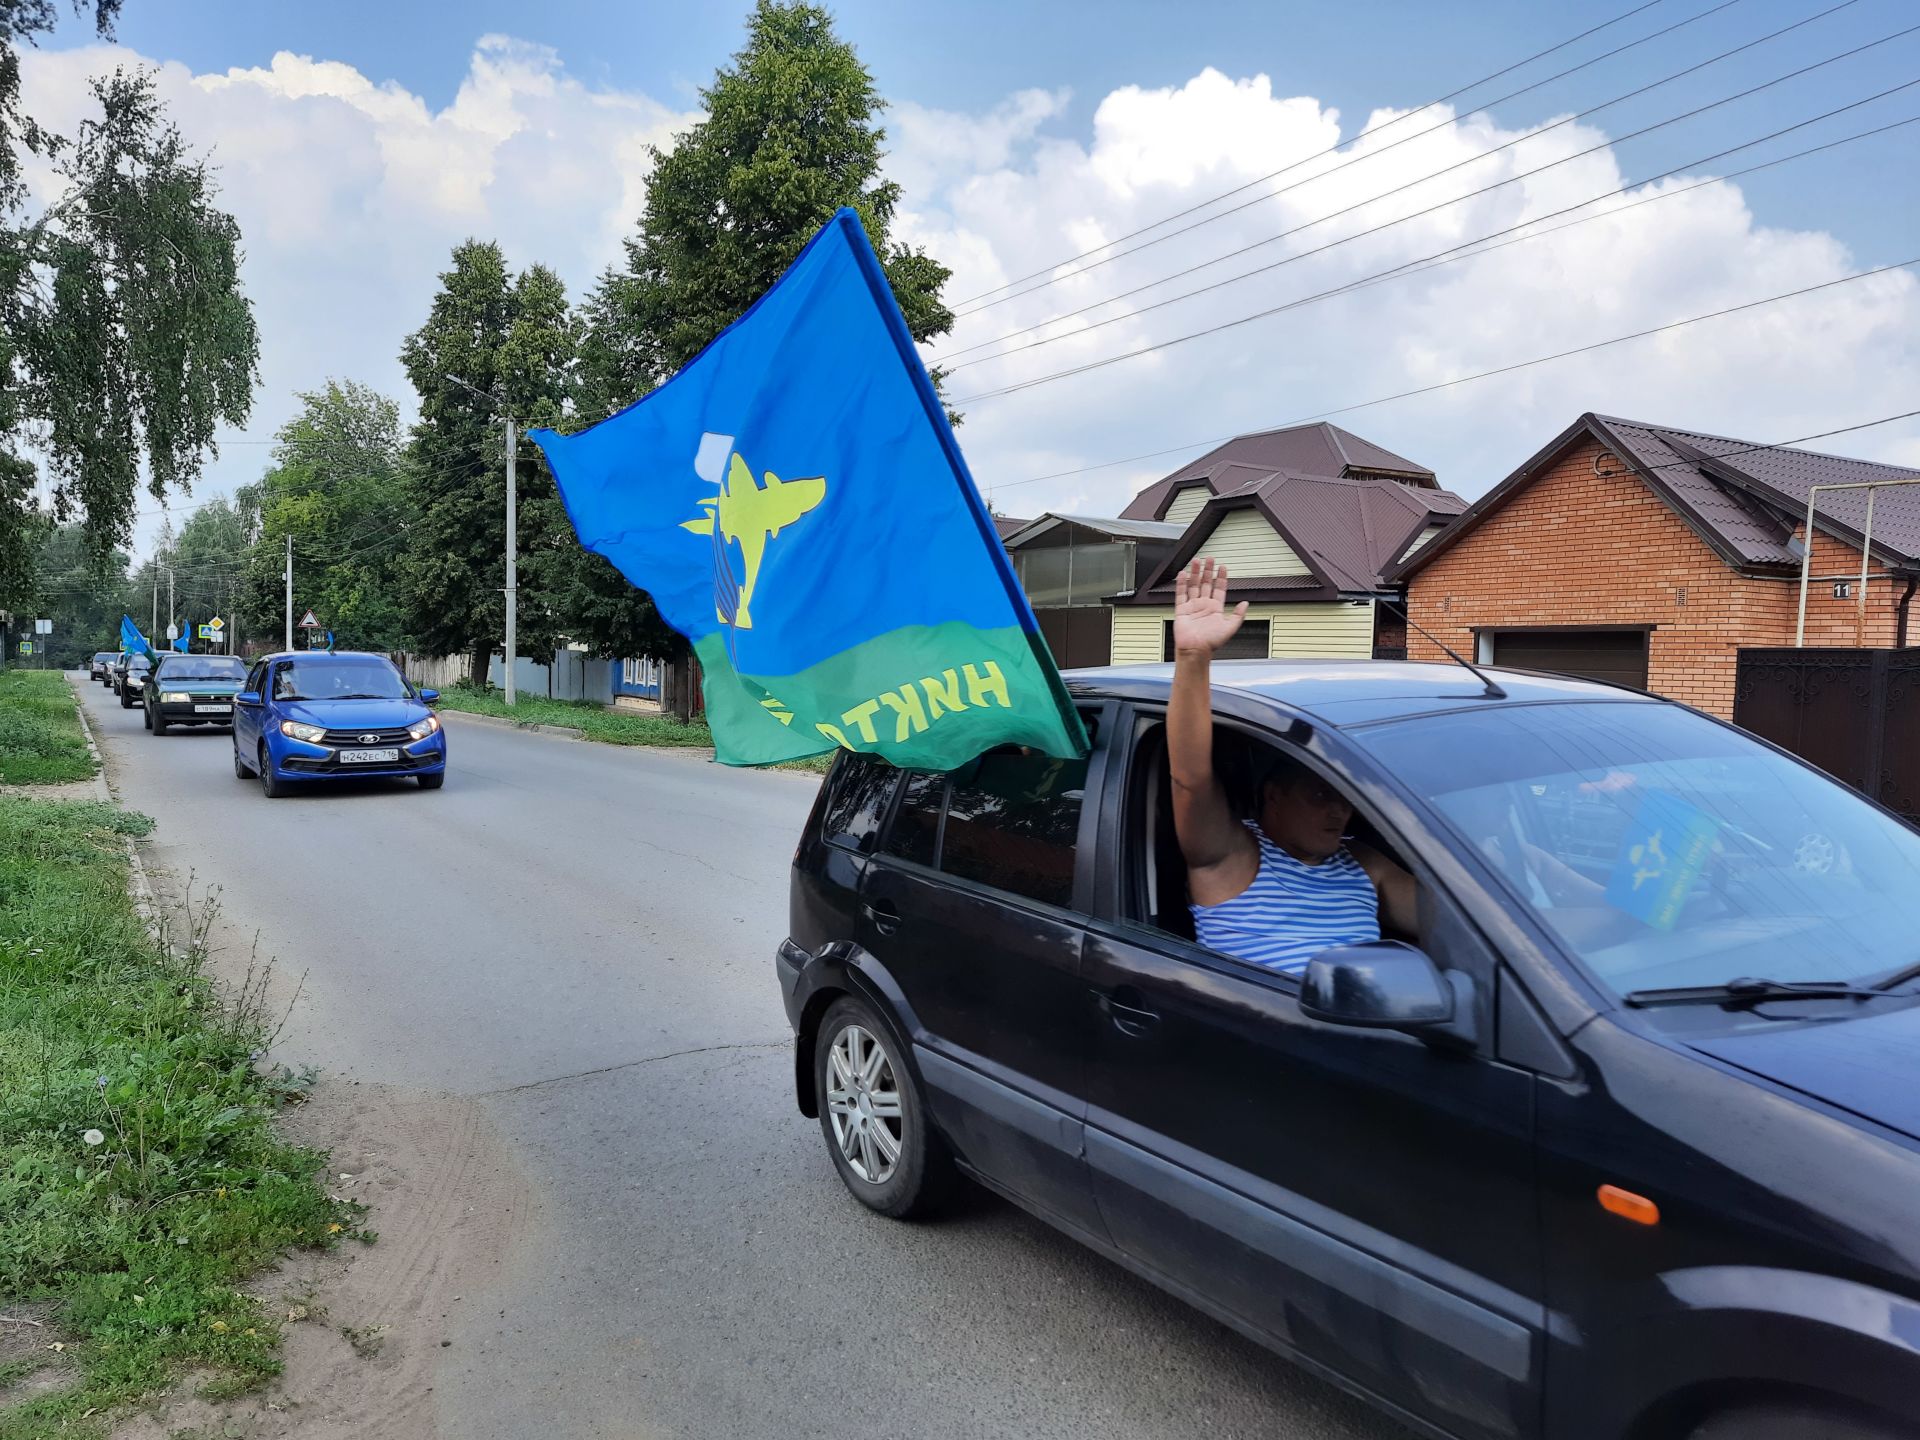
{"x": 1306, "y": 520}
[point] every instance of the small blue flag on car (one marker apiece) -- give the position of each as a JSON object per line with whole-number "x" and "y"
{"x": 796, "y": 505}
{"x": 131, "y": 640}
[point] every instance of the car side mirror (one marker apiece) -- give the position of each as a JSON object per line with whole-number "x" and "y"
{"x": 1382, "y": 985}
{"x": 247, "y": 697}
{"x": 427, "y": 697}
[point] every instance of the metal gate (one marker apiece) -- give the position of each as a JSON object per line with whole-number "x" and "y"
{"x": 1854, "y": 713}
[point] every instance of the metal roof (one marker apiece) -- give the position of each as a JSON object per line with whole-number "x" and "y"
{"x": 1742, "y": 498}
{"x": 1109, "y": 526}
{"x": 1319, "y": 449}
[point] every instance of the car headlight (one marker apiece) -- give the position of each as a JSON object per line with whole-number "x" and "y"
{"x": 425, "y": 728}
{"x": 309, "y": 733}
{"x": 175, "y": 697}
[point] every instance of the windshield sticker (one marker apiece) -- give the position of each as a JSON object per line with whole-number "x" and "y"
{"x": 1661, "y": 855}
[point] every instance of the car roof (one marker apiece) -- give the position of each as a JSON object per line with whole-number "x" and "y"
{"x": 1354, "y": 692}
{"x": 324, "y": 655}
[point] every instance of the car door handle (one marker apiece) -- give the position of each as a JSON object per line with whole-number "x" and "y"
{"x": 885, "y": 918}
{"x": 1124, "y": 1006}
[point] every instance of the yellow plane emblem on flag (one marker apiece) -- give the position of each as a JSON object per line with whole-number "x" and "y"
{"x": 749, "y": 514}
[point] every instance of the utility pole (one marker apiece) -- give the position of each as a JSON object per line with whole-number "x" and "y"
{"x": 513, "y": 567}
{"x": 289, "y": 590}
{"x": 153, "y": 625}
{"x": 171, "y": 620}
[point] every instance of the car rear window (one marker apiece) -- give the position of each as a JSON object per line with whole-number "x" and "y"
{"x": 858, "y": 802}
{"x": 915, "y": 832}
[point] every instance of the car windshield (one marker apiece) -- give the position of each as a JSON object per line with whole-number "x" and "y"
{"x": 201, "y": 667}
{"x": 339, "y": 678}
{"x": 139, "y": 662}
{"x": 1666, "y": 850}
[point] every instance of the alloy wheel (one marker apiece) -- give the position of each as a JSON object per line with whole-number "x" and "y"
{"x": 863, "y": 1098}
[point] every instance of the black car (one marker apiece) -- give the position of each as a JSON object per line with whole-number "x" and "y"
{"x": 101, "y": 666}
{"x": 129, "y": 675}
{"x": 192, "y": 690}
{"x": 1640, "y": 1162}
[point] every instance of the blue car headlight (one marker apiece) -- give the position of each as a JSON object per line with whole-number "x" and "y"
{"x": 295, "y": 730}
{"x": 422, "y": 729}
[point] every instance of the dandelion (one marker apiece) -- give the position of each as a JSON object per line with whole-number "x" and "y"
{"x": 219, "y": 1192}
{"x": 219, "y": 1327}
{"x": 252, "y": 1334}
{"x": 93, "y": 1137}
{"x": 333, "y": 1229}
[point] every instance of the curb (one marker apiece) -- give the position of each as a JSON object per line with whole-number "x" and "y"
{"x": 565, "y": 732}
{"x": 142, "y": 888}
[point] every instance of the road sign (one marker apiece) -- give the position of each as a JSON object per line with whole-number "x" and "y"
{"x": 43, "y": 627}
{"x": 308, "y": 622}
{"x": 173, "y": 632}
{"x": 208, "y": 632}
{"x": 26, "y": 647}
{"x": 216, "y": 624}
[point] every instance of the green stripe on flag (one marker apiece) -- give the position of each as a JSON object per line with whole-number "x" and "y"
{"x": 926, "y": 697}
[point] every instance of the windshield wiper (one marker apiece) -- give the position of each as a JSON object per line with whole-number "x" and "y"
{"x": 1893, "y": 978}
{"x": 1746, "y": 990}
{"x": 361, "y": 695}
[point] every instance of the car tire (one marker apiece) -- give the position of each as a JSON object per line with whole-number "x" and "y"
{"x": 125, "y": 703}
{"x": 240, "y": 770}
{"x": 271, "y": 785}
{"x": 156, "y": 723}
{"x": 879, "y": 1137}
{"x": 146, "y": 717}
{"x": 1794, "y": 1422}
{"x": 432, "y": 782}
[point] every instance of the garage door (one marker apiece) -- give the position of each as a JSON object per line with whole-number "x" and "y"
{"x": 1616, "y": 656}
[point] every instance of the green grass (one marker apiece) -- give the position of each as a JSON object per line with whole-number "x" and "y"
{"x": 141, "y": 1176}
{"x": 612, "y": 727}
{"x": 40, "y": 738}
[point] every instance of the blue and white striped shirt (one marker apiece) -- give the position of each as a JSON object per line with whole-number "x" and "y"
{"x": 1292, "y": 910}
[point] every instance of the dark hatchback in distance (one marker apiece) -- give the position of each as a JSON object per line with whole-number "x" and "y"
{"x": 1623, "y": 1144}
{"x": 126, "y": 677}
{"x": 192, "y": 690}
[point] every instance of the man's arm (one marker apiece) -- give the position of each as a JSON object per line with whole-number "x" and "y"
{"x": 1222, "y": 858}
{"x": 1398, "y": 891}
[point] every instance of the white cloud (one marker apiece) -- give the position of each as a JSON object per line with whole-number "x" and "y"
{"x": 1845, "y": 355}
{"x": 350, "y": 190}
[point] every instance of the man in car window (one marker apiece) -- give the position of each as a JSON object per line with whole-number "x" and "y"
{"x": 1278, "y": 890}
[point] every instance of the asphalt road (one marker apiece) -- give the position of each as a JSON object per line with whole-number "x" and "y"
{"x": 580, "y": 938}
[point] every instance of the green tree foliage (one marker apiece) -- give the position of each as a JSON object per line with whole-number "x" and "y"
{"x": 791, "y": 134}
{"x": 337, "y": 487}
{"x": 125, "y": 339}
{"x": 494, "y": 346}
{"x": 79, "y": 593}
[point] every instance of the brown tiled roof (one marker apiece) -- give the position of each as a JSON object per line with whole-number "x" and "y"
{"x": 1744, "y": 499}
{"x": 1349, "y": 530}
{"x": 1008, "y": 526}
{"x": 1319, "y": 449}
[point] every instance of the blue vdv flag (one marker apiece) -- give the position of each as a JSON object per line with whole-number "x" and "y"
{"x": 184, "y": 642}
{"x": 131, "y": 640}
{"x": 796, "y": 505}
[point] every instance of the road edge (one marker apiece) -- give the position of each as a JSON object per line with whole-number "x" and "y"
{"x": 499, "y": 722}
{"x": 138, "y": 882}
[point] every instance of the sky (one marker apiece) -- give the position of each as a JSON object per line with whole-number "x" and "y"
{"x": 356, "y": 143}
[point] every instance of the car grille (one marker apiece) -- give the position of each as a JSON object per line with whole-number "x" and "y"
{"x": 357, "y": 739}
{"x": 298, "y": 765}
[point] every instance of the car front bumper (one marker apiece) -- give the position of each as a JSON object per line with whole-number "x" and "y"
{"x": 301, "y": 760}
{"x": 184, "y": 712}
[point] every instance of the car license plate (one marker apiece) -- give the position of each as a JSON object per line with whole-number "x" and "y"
{"x": 212, "y": 709}
{"x": 369, "y": 757}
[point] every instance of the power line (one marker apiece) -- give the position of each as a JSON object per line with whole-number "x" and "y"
{"x": 1438, "y": 258}
{"x": 1356, "y": 159}
{"x": 1397, "y": 120}
{"x": 1481, "y": 375}
{"x": 1604, "y": 145}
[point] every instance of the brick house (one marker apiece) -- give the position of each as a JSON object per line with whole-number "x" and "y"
{"x": 1649, "y": 556}
{"x": 1306, "y": 519}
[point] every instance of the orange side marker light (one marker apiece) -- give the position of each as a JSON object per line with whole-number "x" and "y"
{"x": 1629, "y": 1206}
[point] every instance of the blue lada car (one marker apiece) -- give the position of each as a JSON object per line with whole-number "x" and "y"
{"x": 322, "y": 715}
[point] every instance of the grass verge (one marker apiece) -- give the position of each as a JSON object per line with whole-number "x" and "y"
{"x": 612, "y": 727}
{"x": 40, "y": 738}
{"x": 141, "y": 1176}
